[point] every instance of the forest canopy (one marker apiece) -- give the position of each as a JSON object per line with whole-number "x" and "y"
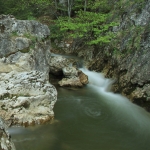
{"x": 89, "y": 20}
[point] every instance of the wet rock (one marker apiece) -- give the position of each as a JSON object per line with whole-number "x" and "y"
{"x": 71, "y": 82}
{"x": 83, "y": 77}
{"x": 70, "y": 71}
{"x": 130, "y": 66}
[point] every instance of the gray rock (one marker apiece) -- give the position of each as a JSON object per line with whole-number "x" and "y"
{"x": 73, "y": 77}
{"x": 70, "y": 71}
{"x": 26, "y": 96}
{"x": 57, "y": 63}
{"x": 22, "y": 43}
{"x": 16, "y": 34}
{"x": 130, "y": 69}
{"x": 70, "y": 82}
{"x": 5, "y": 139}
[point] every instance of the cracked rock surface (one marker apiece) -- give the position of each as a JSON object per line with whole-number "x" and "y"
{"x": 26, "y": 98}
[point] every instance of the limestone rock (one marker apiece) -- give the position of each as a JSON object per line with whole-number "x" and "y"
{"x": 57, "y": 63}
{"x": 70, "y": 71}
{"x": 26, "y": 98}
{"x": 5, "y": 139}
{"x": 83, "y": 77}
{"x": 73, "y": 77}
{"x": 25, "y": 39}
{"x": 71, "y": 82}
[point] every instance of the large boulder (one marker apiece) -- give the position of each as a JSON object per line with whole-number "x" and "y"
{"x": 73, "y": 77}
{"x": 70, "y": 82}
{"x": 26, "y": 98}
{"x": 27, "y": 37}
{"x": 70, "y": 71}
{"x": 57, "y": 63}
{"x": 26, "y": 95}
{"x": 5, "y": 139}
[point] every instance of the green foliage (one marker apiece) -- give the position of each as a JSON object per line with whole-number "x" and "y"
{"x": 24, "y": 9}
{"x": 56, "y": 33}
{"x": 89, "y": 20}
{"x": 91, "y": 25}
{"x": 14, "y": 33}
{"x": 33, "y": 40}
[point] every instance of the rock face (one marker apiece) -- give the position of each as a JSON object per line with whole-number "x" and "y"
{"x": 26, "y": 96}
{"x": 5, "y": 140}
{"x": 62, "y": 66}
{"x": 131, "y": 71}
{"x": 126, "y": 59}
{"x": 26, "y": 37}
{"x": 57, "y": 63}
{"x": 73, "y": 77}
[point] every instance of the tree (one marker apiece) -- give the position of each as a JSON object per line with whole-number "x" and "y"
{"x": 90, "y": 24}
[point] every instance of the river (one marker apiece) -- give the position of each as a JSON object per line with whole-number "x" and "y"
{"x": 89, "y": 118}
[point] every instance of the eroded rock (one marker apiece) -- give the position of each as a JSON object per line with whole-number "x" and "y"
{"x": 71, "y": 82}
{"x": 5, "y": 139}
{"x": 83, "y": 77}
{"x": 57, "y": 63}
{"x": 26, "y": 98}
{"x": 73, "y": 77}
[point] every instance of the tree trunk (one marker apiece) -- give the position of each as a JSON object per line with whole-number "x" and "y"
{"x": 85, "y": 5}
{"x": 55, "y": 4}
{"x": 69, "y": 8}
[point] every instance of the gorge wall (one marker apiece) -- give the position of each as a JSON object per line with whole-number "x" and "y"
{"x": 126, "y": 58}
{"x": 131, "y": 67}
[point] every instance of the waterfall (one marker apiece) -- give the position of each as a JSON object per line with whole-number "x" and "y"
{"x": 128, "y": 113}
